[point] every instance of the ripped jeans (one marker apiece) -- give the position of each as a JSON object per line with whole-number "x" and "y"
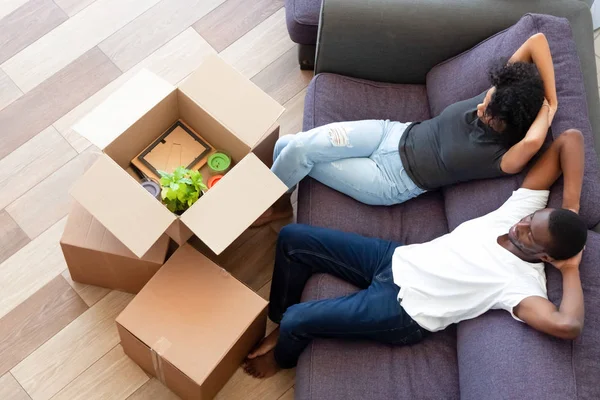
{"x": 358, "y": 158}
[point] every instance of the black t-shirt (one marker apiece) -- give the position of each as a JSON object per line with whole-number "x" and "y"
{"x": 453, "y": 147}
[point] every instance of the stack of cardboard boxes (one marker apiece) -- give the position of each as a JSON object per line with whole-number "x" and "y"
{"x": 192, "y": 323}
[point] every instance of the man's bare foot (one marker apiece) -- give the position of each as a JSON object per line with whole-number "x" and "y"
{"x": 262, "y": 366}
{"x": 266, "y": 345}
{"x": 261, "y": 363}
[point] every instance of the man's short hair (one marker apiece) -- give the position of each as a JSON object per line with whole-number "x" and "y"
{"x": 569, "y": 233}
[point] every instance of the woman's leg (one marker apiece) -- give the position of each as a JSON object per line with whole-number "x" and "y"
{"x": 295, "y": 157}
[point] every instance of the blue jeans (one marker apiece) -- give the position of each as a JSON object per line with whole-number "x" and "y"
{"x": 357, "y": 158}
{"x": 373, "y": 313}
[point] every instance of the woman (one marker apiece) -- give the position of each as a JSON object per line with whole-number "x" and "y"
{"x": 385, "y": 162}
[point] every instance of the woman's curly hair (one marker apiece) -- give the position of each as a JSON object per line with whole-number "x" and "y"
{"x": 518, "y": 97}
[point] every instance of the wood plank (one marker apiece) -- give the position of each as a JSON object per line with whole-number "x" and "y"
{"x": 283, "y": 79}
{"x": 226, "y": 24}
{"x": 153, "y": 390}
{"x": 36, "y": 110}
{"x": 72, "y": 7}
{"x": 291, "y": 120}
{"x": 49, "y": 201}
{"x": 243, "y": 386}
{"x": 73, "y": 350}
{"x": 11, "y": 390}
{"x": 172, "y": 62}
{"x": 154, "y": 28}
{"x": 115, "y": 376}
{"x": 30, "y": 268}
{"x": 264, "y": 292}
{"x": 9, "y": 92}
{"x": 289, "y": 395}
{"x": 9, "y": 6}
{"x": 12, "y": 236}
{"x": 71, "y": 40}
{"x": 90, "y": 294}
{"x": 31, "y": 163}
{"x": 261, "y": 46}
{"x": 36, "y": 320}
{"x": 27, "y": 24}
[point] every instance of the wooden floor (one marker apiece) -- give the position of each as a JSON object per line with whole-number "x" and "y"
{"x": 59, "y": 59}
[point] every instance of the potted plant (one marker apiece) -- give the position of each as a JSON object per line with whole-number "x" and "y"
{"x": 181, "y": 189}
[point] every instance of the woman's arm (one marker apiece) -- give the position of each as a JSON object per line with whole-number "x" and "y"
{"x": 517, "y": 157}
{"x": 536, "y": 50}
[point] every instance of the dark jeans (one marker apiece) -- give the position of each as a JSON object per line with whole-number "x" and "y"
{"x": 373, "y": 313}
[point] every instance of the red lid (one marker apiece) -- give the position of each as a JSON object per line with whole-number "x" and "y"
{"x": 213, "y": 180}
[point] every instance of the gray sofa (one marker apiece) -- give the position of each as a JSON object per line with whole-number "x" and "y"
{"x": 403, "y": 60}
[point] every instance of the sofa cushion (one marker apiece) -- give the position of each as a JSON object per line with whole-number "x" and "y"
{"x": 340, "y": 370}
{"x": 407, "y": 372}
{"x": 332, "y": 98}
{"x": 416, "y": 221}
{"x": 465, "y": 76}
{"x": 500, "y": 358}
{"x": 302, "y": 18}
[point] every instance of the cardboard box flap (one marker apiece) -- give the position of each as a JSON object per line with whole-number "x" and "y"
{"x": 183, "y": 315}
{"x": 234, "y": 203}
{"x": 122, "y": 205}
{"x": 232, "y": 99}
{"x": 121, "y": 109}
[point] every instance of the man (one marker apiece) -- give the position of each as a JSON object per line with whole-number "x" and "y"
{"x": 492, "y": 262}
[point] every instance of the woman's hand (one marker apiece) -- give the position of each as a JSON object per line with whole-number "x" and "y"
{"x": 552, "y": 108}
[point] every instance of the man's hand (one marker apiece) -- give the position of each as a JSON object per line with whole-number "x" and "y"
{"x": 571, "y": 263}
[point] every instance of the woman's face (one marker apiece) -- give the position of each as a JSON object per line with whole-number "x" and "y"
{"x": 483, "y": 106}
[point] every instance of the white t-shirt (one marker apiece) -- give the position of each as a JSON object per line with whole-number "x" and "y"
{"x": 465, "y": 273}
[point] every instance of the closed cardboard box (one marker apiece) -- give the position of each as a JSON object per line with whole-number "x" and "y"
{"x": 192, "y": 325}
{"x": 96, "y": 257}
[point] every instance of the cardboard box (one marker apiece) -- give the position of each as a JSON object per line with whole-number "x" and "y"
{"x": 221, "y": 105}
{"x": 192, "y": 325}
{"x": 96, "y": 257}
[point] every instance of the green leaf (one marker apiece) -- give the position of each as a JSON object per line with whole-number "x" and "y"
{"x": 164, "y": 192}
{"x": 179, "y": 173}
{"x": 174, "y": 186}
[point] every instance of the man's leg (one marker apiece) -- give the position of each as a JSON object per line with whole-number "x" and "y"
{"x": 371, "y": 314}
{"x": 305, "y": 250}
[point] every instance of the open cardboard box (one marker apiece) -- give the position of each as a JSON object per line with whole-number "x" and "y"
{"x": 227, "y": 110}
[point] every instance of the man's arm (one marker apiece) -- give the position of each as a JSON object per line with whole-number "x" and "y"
{"x": 564, "y": 156}
{"x": 565, "y": 322}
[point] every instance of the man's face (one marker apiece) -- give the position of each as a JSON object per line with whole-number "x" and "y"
{"x": 531, "y": 235}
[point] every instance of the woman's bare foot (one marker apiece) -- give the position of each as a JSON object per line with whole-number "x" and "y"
{"x": 261, "y": 361}
{"x": 282, "y": 209}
